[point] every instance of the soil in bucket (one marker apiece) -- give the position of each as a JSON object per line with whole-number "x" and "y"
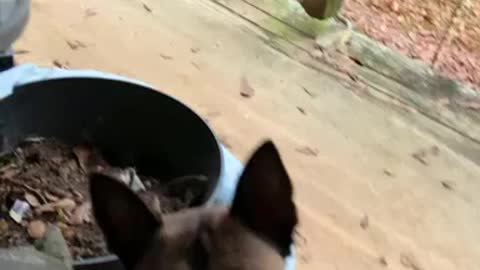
{"x": 44, "y": 181}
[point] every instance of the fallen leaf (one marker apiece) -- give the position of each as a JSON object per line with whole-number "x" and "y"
{"x": 83, "y": 154}
{"x": 387, "y": 173}
{"x": 62, "y": 215}
{"x": 76, "y": 44}
{"x": 166, "y": 57}
{"x": 81, "y": 214}
{"x": 310, "y": 94}
{"x": 9, "y": 171}
{"x": 195, "y": 65}
{"x": 301, "y": 110}
{"x": 59, "y": 64}
{"x": 90, "y": 12}
{"x": 68, "y": 233}
{"x": 63, "y": 204}
{"x": 383, "y": 261}
{"x": 307, "y": 151}
{"x": 195, "y": 50}
{"x": 3, "y": 226}
{"x": 353, "y": 77}
{"x": 37, "y": 229}
{"x": 409, "y": 262}
{"x": 32, "y": 200}
{"x": 147, "y": 8}
{"x": 394, "y": 6}
{"x": 90, "y": 158}
{"x": 45, "y": 208}
{"x": 66, "y": 204}
{"x": 246, "y": 90}
{"x": 364, "y": 222}
{"x": 76, "y": 194}
{"x": 50, "y": 197}
{"x": 21, "y": 51}
{"x": 447, "y": 185}
{"x": 421, "y": 156}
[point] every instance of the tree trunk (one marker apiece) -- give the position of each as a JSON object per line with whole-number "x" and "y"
{"x": 322, "y": 9}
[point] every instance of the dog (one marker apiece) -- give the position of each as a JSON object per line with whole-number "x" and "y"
{"x": 255, "y": 233}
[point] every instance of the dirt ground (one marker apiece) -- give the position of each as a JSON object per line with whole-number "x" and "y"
{"x": 418, "y": 28}
{"x": 374, "y": 188}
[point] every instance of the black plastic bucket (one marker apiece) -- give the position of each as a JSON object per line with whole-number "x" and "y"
{"x": 132, "y": 125}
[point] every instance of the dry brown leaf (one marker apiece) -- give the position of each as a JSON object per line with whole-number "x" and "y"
{"x": 45, "y": 208}
{"x": 166, "y": 57}
{"x": 76, "y": 44}
{"x": 447, "y": 185}
{"x": 364, "y": 222}
{"x": 62, "y": 215}
{"x": 301, "y": 110}
{"x": 3, "y": 226}
{"x": 83, "y": 154}
{"x": 388, "y": 173}
{"x": 89, "y": 158}
{"x": 32, "y": 200}
{"x": 421, "y": 156}
{"x": 308, "y": 92}
{"x": 37, "y": 229}
{"x": 394, "y": 6}
{"x": 59, "y": 64}
{"x": 50, "y": 197}
{"x": 147, "y": 8}
{"x": 77, "y": 195}
{"x": 66, "y": 204}
{"x": 21, "y": 51}
{"x": 81, "y": 214}
{"x": 409, "y": 261}
{"x": 68, "y": 233}
{"x": 90, "y": 12}
{"x": 246, "y": 90}
{"x": 9, "y": 171}
{"x": 383, "y": 261}
{"x": 308, "y": 151}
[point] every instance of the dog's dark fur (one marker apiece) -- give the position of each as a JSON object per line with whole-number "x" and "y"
{"x": 254, "y": 234}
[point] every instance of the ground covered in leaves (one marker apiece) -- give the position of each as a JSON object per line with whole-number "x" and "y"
{"x": 49, "y": 179}
{"x": 442, "y": 33}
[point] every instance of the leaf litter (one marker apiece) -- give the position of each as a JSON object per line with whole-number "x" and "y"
{"x": 442, "y": 33}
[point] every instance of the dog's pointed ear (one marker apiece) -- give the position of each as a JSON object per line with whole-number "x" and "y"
{"x": 263, "y": 200}
{"x": 126, "y": 222}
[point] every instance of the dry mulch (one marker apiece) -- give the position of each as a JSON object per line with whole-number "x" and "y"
{"x": 417, "y": 28}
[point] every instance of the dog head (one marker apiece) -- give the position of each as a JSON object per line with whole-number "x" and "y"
{"x": 254, "y": 234}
